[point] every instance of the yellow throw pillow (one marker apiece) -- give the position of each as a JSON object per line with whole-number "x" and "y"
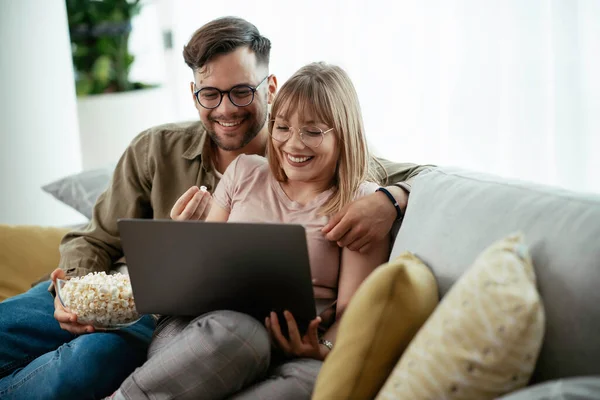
{"x": 26, "y": 254}
{"x": 385, "y": 313}
{"x": 483, "y": 339}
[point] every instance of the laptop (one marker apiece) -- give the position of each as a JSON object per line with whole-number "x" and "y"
{"x": 189, "y": 268}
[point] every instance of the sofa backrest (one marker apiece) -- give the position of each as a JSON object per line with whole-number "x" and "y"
{"x": 454, "y": 214}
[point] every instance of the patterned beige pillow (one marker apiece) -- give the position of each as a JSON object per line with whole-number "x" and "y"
{"x": 483, "y": 339}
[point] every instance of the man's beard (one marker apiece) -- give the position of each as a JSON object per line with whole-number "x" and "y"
{"x": 250, "y": 134}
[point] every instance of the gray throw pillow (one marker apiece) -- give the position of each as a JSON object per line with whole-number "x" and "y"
{"x": 80, "y": 191}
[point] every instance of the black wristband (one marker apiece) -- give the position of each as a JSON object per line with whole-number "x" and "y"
{"x": 394, "y": 202}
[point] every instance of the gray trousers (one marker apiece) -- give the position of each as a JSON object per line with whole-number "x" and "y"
{"x": 220, "y": 355}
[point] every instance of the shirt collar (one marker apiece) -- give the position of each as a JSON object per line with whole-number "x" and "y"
{"x": 200, "y": 145}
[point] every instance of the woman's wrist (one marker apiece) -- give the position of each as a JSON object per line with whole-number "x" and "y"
{"x": 326, "y": 343}
{"x": 323, "y": 352}
{"x": 325, "y": 347}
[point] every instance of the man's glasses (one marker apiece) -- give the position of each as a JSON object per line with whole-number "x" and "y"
{"x": 239, "y": 95}
{"x": 310, "y": 135}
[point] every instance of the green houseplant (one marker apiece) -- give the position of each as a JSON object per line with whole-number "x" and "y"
{"x": 99, "y": 31}
{"x": 111, "y": 108}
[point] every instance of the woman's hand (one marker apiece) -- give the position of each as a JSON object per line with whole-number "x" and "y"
{"x": 66, "y": 319}
{"x": 194, "y": 204}
{"x": 306, "y": 346}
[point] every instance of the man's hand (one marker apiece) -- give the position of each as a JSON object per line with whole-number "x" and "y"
{"x": 194, "y": 204}
{"x": 364, "y": 221}
{"x": 66, "y": 319}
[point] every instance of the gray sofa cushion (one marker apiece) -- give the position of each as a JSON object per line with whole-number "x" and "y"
{"x": 453, "y": 215}
{"x": 587, "y": 388}
{"x": 80, "y": 191}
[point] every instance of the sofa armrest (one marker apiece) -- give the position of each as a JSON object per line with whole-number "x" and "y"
{"x": 27, "y": 252}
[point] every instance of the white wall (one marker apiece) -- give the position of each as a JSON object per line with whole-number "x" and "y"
{"x": 503, "y": 86}
{"x": 38, "y": 120}
{"x": 589, "y": 29}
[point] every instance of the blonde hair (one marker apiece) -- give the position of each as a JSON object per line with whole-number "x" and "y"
{"x": 326, "y": 92}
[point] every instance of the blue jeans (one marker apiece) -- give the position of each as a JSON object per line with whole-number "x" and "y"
{"x": 39, "y": 360}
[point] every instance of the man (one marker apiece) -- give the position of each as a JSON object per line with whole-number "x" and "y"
{"x": 38, "y": 359}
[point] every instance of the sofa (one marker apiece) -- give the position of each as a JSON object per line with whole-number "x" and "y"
{"x": 452, "y": 216}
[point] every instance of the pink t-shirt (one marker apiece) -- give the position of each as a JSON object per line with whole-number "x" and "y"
{"x": 250, "y": 193}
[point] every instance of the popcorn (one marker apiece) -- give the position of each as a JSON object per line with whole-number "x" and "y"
{"x": 203, "y": 188}
{"x": 99, "y": 299}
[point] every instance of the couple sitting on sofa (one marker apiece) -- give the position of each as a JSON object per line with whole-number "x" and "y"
{"x": 317, "y": 172}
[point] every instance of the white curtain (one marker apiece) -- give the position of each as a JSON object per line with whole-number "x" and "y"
{"x": 510, "y": 87}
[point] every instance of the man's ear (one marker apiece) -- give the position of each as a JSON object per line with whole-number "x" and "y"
{"x": 192, "y": 90}
{"x": 272, "y": 88}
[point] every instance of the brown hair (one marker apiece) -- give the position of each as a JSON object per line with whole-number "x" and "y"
{"x": 222, "y": 36}
{"x": 327, "y": 93}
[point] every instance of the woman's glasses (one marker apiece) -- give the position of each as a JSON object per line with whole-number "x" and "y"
{"x": 310, "y": 135}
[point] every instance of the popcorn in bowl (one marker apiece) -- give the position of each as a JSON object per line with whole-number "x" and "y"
{"x": 101, "y": 300}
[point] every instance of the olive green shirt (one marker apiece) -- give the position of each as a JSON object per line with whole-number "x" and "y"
{"x": 157, "y": 168}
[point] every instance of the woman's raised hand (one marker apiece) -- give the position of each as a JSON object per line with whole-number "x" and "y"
{"x": 193, "y": 205}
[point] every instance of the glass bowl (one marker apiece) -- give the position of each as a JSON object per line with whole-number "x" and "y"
{"x": 98, "y": 304}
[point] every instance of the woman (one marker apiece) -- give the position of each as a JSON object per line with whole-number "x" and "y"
{"x": 317, "y": 162}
